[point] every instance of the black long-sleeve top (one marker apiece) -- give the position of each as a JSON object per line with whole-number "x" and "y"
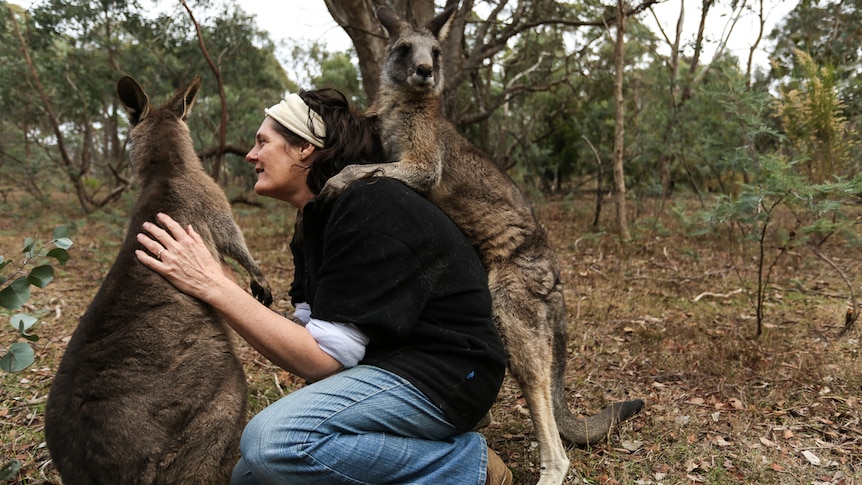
{"x": 383, "y": 258}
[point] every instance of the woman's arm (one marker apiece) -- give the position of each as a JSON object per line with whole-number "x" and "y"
{"x": 186, "y": 263}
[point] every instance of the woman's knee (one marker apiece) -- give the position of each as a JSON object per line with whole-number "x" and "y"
{"x": 269, "y": 439}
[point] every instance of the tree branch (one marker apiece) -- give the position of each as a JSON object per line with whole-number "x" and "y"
{"x": 222, "y": 132}
{"x": 66, "y": 160}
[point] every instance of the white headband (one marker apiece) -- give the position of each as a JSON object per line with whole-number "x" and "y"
{"x": 293, "y": 114}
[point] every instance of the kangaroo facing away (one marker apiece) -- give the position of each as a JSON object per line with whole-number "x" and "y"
{"x": 149, "y": 390}
{"x": 433, "y": 158}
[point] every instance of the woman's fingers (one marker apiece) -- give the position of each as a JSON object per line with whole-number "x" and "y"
{"x": 176, "y": 231}
{"x": 167, "y": 238}
{"x": 157, "y": 240}
{"x": 154, "y": 247}
{"x": 161, "y": 235}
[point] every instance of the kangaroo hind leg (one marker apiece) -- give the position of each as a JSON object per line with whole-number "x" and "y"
{"x": 529, "y": 343}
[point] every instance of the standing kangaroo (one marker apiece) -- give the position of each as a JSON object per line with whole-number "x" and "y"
{"x": 149, "y": 390}
{"x": 523, "y": 275}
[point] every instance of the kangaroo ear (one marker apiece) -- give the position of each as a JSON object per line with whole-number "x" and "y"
{"x": 439, "y": 25}
{"x": 389, "y": 20}
{"x": 134, "y": 99}
{"x": 182, "y": 102}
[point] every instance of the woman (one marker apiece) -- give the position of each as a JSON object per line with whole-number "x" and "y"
{"x": 396, "y": 333}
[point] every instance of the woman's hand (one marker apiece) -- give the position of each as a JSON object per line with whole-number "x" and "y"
{"x": 181, "y": 256}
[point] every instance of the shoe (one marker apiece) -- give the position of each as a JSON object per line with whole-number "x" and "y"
{"x": 498, "y": 472}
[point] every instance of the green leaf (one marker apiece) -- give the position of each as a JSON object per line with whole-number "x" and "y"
{"x": 63, "y": 243}
{"x": 9, "y": 470}
{"x": 16, "y": 294}
{"x": 19, "y": 357}
{"x": 4, "y": 262}
{"x": 28, "y": 247}
{"x": 60, "y": 232}
{"x": 22, "y": 322}
{"x": 41, "y": 275}
{"x": 59, "y": 254}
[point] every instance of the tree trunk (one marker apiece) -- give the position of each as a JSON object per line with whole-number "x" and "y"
{"x": 368, "y": 38}
{"x": 619, "y": 124}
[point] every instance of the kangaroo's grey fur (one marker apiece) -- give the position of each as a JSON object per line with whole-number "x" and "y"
{"x": 434, "y": 159}
{"x": 149, "y": 390}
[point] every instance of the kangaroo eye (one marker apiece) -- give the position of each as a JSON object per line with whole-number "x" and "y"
{"x": 436, "y": 53}
{"x": 404, "y": 49}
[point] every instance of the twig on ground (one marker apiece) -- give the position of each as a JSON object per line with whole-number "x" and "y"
{"x": 717, "y": 295}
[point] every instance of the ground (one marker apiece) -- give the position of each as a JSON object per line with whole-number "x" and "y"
{"x": 665, "y": 318}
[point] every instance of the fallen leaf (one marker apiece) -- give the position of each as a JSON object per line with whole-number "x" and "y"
{"x": 811, "y": 457}
{"x": 768, "y": 443}
{"x": 776, "y": 467}
{"x": 720, "y": 441}
{"x": 632, "y": 446}
{"x": 696, "y": 401}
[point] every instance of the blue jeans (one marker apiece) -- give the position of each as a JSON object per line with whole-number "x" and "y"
{"x": 363, "y": 425}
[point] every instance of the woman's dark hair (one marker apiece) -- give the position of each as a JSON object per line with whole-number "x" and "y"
{"x": 351, "y": 138}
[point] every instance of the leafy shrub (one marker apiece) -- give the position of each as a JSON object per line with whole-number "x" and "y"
{"x": 15, "y": 292}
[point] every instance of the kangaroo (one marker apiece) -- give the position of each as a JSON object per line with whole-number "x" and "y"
{"x": 149, "y": 390}
{"x": 528, "y": 306}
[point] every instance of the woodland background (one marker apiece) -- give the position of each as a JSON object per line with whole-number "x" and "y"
{"x": 705, "y": 212}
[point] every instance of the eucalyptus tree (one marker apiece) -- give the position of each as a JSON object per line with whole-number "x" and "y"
{"x": 20, "y": 161}
{"x": 485, "y": 73}
{"x": 65, "y": 52}
{"x": 63, "y": 70}
{"x": 687, "y": 66}
{"x": 241, "y": 74}
{"x": 315, "y": 67}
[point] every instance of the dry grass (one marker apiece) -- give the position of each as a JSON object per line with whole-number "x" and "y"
{"x": 722, "y": 407}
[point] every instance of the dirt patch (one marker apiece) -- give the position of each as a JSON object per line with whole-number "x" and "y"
{"x": 666, "y": 318}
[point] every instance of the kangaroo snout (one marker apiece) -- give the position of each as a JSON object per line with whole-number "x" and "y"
{"x": 425, "y": 70}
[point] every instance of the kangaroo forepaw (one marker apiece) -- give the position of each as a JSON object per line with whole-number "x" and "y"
{"x": 351, "y": 173}
{"x": 334, "y": 186}
{"x": 261, "y": 293}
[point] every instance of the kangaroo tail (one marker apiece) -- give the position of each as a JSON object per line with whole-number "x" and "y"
{"x": 592, "y": 429}
{"x": 596, "y": 428}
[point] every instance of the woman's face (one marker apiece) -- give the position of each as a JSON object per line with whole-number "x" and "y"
{"x": 281, "y": 168}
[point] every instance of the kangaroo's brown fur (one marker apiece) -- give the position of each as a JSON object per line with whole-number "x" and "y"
{"x": 149, "y": 390}
{"x": 434, "y": 159}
